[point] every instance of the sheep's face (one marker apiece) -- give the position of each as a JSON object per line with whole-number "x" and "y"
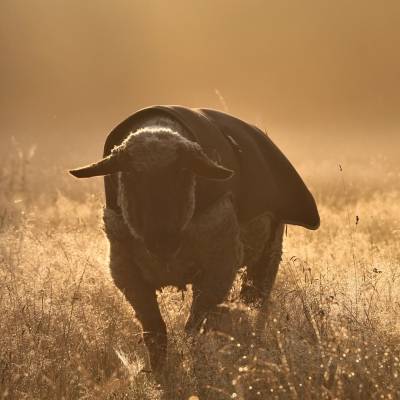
{"x": 157, "y": 170}
{"x": 157, "y": 205}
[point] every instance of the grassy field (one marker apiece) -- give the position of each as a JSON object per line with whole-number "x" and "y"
{"x": 332, "y": 329}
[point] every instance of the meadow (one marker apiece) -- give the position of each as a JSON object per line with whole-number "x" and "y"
{"x": 330, "y": 331}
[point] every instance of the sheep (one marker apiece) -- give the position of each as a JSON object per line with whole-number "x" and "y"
{"x": 192, "y": 196}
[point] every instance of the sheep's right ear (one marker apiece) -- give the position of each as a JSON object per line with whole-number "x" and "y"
{"x": 106, "y": 166}
{"x": 199, "y": 163}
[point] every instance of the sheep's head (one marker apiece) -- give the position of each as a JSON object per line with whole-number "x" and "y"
{"x": 157, "y": 170}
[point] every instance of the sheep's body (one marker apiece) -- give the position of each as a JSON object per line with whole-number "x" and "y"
{"x": 173, "y": 218}
{"x": 205, "y": 233}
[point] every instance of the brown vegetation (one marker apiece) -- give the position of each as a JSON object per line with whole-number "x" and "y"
{"x": 332, "y": 330}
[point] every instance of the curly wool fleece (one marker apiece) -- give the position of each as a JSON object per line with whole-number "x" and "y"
{"x": 153, "y": 146}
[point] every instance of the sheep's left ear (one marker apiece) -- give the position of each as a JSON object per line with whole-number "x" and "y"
{"x": 200, "y": 164}
{"x": 106, "y": 166}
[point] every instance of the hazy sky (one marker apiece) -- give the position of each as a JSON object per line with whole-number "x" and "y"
{"x": 72, "y": 69}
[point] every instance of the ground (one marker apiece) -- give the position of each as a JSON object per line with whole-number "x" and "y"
{"x": 331, "y": 330}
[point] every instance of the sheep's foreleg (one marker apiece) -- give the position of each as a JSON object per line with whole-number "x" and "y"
{"x": 204, "y": 302}
{"x": 223, "y": 253}
{"x": 140, "y": 294}
{"x": 143, "y": 299}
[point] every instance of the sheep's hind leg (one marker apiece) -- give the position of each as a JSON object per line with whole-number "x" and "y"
{"x": 260, "y": 276}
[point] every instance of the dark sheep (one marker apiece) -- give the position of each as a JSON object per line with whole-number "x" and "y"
{"x": 191, "y": 196}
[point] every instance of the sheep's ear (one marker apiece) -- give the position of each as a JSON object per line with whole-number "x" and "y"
{"x": 199, "y": 163}
{"x": 106, "y": 166}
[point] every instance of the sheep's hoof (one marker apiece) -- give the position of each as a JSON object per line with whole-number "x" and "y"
{"x": 252, "y": 295}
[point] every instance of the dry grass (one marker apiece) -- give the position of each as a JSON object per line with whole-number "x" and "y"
{"x": 332, "y": 330}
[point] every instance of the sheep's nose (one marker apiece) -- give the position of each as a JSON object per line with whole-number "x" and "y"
{"x": 164, "y": 246}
